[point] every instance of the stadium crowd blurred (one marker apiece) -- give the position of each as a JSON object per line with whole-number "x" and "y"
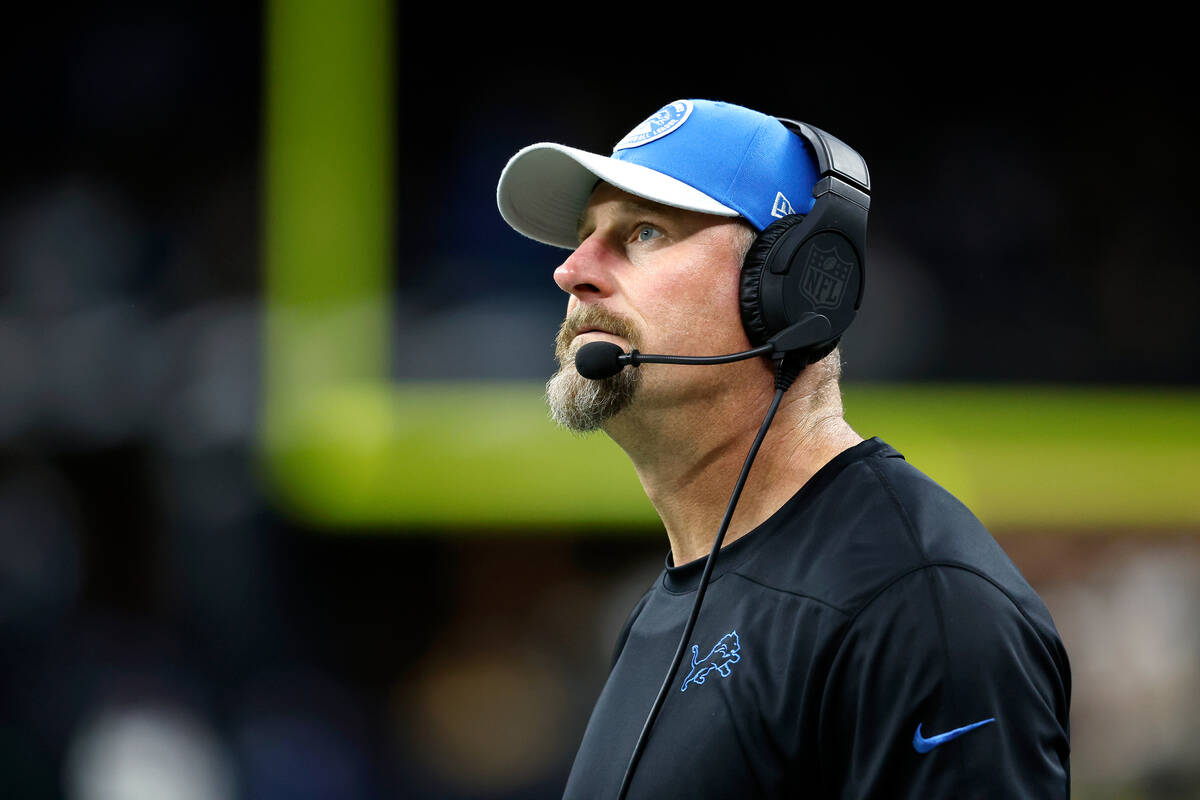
{"x": 167, "y": 632}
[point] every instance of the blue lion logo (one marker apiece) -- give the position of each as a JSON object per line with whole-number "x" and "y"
{"x": 724, "y": 653}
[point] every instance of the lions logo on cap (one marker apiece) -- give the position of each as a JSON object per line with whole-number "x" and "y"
{"x": 659, "y": 124}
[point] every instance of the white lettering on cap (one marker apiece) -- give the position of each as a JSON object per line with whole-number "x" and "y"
{"x": 666, "y": 120}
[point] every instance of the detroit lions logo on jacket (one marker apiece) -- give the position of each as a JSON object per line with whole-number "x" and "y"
{"x": 724, "y": 653}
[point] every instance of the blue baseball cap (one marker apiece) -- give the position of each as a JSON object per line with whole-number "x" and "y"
{"x": 701, "y": 155}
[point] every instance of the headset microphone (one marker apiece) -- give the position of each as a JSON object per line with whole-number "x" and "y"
{"x": 599, "y": 360}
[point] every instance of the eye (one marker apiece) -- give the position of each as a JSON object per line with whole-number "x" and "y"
{"x": 646, "y": 233}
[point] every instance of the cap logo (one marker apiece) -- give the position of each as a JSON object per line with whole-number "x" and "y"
{"x": 782, "y": 207}
{"x": 659, "y": 124}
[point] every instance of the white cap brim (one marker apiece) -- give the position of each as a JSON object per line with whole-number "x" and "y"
{"x": 545, "y": 187}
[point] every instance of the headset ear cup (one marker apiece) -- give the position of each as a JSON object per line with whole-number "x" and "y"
{"x": 753, "y": 267}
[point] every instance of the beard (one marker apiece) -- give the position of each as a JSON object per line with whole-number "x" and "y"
{"x": 577, "y": 403}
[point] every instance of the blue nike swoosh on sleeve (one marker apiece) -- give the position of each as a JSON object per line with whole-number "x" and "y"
{"x": 924, "y": 745}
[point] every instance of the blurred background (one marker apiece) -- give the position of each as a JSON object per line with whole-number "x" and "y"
{"x": 281, "y": 515}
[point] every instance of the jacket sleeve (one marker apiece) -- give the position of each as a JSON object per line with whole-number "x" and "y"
{"x": 945, "y": 686}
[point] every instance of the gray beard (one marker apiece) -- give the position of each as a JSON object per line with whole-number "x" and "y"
{"x": 583, "y": 405}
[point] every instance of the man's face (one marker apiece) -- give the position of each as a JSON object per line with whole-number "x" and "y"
{"x": 651, "y": 277}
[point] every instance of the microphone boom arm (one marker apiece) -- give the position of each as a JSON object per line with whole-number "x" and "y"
{"x": 633, "y": 357}
{"x": 599, "y": 360}
{"x": 812, "y": 329}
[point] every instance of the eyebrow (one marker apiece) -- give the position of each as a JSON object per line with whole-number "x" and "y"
{"x": 631, "y": 206}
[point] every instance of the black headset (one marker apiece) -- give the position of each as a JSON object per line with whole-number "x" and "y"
{"x": 812, "y": 264}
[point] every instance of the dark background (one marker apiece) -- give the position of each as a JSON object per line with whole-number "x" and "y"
{"x": 1031, "y": 221}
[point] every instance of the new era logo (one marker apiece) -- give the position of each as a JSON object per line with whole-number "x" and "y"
{"x": 782, "y": 207}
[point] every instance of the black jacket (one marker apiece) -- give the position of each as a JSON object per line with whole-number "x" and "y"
{"x": 870, "y": 640}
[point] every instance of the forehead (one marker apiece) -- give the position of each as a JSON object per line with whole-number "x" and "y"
{"x": 607, "y": 200}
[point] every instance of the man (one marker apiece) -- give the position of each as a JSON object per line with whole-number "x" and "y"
{"x": 861, "y": 635}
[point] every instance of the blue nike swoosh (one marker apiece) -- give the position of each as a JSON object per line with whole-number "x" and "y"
{"x": 924, "y": 745}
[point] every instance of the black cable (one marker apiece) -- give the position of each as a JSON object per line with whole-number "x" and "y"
{"x": 785, "y": 373}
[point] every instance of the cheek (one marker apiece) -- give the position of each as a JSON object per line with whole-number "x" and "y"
{"x": 701, "y": 315}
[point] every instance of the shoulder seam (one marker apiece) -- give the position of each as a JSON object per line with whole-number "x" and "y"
{"x": 800, "y": 595}
{"x": 900, "y": 509}
{"x": 909, "y": 529}
{"x": 959, "y": 565}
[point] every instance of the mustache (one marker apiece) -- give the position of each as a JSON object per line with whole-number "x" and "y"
{"x": 584, "y": 317}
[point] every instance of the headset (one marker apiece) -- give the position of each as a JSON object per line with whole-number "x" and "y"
{"x": 801, "y": 286}
{"x": 801, "y": 280}
{"x": 812, "y": 264}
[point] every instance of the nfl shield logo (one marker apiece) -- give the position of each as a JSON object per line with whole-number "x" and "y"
{"x": 824, "y": 277}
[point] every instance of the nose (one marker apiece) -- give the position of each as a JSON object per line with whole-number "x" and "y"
{"x": 587, "y": 273}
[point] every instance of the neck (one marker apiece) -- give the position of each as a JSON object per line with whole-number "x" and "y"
{"x": 688, "y": 458}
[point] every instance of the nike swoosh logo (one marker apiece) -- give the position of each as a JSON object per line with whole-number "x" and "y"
{"x": 924, "y": 745}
